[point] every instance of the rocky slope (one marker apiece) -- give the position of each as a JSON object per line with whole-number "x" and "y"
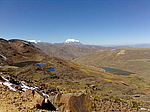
{"x": 33, "y": 96}
{"x": 17, "y": 51}
{"x": 21, "y": 96}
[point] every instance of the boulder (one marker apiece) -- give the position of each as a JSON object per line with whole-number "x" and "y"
{"x": 73, "y": 102}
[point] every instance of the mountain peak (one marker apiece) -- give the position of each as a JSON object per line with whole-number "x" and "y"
{"x": 72, "y": 41}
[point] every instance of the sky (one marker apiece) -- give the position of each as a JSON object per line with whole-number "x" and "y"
{"x": 95, "y": 22}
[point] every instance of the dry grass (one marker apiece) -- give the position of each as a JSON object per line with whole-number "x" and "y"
{"x": 132, "y": 60}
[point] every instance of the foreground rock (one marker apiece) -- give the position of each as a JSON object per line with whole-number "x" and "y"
{"x": 23, "y": 98}
{"x": 72, "y": 102}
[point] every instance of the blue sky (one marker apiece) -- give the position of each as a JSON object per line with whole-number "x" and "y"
{"x": 101, "y": 22}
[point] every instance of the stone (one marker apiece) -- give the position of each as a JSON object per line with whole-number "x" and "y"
{"x": 73, "y": 102}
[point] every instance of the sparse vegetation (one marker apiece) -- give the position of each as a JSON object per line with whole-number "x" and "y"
{"x": 108, "y": 91}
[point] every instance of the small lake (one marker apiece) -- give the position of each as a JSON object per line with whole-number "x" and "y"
{"x": 40, "y": 64}
{"x": 51, "y": 69}
{"x": 7, "y": 71}
{"x": 116, "y": 71}
{"x": 22, "y": 64}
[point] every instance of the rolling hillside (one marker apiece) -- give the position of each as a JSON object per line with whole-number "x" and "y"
{"x": 71, "y": 77}
{"x": 12, "y": 51}
{"x": 133, "y": 60}
{"x": 67, "y": 51}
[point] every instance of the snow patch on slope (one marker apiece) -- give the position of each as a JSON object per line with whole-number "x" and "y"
{"x": 3, "y": 57}
{"x": 8, "y": 84}
{"x": 4, "y": 81}
{"x": 34, "y": 41}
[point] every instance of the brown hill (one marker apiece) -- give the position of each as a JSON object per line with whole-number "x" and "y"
{"x": 67, "y": 51}
{"x": 74, "y": 78}
{"x": 15, "y": 50}
{"x": 134, "y": 60}
{"x": 71, "y": 77}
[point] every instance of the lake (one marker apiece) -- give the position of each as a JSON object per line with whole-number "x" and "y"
{"x": 51, "y": 69}
{"x": 116, "y": 71}
{"x": 40, "y": 64}
{"x": 22, "y": 64}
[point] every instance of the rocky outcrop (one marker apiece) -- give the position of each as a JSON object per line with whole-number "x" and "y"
{"x": 72, "y": 102}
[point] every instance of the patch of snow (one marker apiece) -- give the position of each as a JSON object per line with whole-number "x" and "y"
{"x": 35, "y": 87}
{"x": 144, "y": 109}
{"x": 71, "y": 40}
{"x": 5, "y": 79}
{"x": 8, "y": 84}
{"x": 25, "y": 87}
{"x": 46, "y": 101}
{"x": 34, "y": 41}
{"x": 45, "y": 95}
{"x": 3, "y": 57}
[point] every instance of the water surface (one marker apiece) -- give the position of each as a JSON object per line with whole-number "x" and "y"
{"x": 40, "y": 64}
{"x": 116, "y": 71}
{"x": 22, "y": 64}
{"x": 51, "y": 69}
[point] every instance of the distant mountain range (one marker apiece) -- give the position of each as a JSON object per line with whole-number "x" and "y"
{"x": 142, "y": 45}
{"x": 77, "y": 42}
{"x": 146, "y": 45}
{"x": 72, "y": 49}
{"x": 68, "y": 41}
{"x": 68, "y": 50}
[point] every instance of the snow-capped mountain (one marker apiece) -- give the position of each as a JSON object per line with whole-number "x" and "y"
{"x": 72, "y": 41}
{"x": 34, "y": 41}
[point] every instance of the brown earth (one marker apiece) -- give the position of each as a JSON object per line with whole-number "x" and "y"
{"x": 71, "y": 77}
{"x": 133, "y": 60}
{"x": 18, "y": 51}
{"x": 67, "y": 51}
{"x": 14, "y": 102}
